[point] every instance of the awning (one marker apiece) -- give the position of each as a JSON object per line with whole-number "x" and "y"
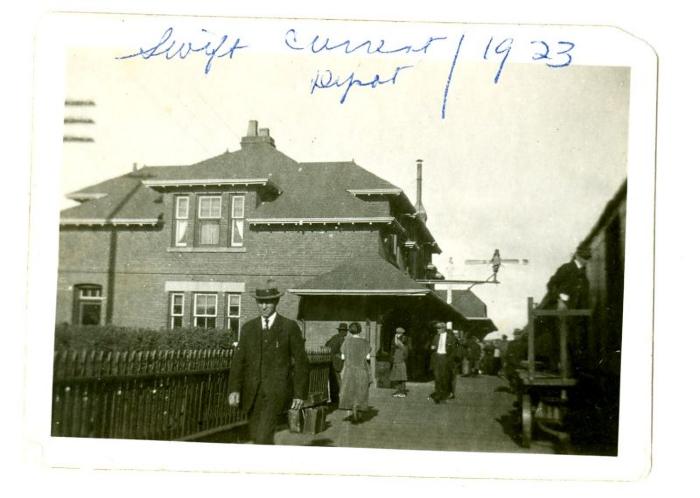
{"x": 375, "y": 276}
{"x": 362, "y": 277}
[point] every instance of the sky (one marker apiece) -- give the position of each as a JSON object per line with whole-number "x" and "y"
{"x": 525, "y": 165}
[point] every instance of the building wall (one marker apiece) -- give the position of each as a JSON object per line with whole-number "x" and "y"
{"x": 143, "y": 260}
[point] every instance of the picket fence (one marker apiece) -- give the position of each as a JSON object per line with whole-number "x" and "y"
{"x": 160, "y": 395}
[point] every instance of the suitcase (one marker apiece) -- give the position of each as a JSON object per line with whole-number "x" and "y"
{"x": 294, "y": 417}
{"x": 314, "y": 419}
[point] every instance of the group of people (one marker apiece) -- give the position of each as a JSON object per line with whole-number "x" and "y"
{"x": 271, "y": 361}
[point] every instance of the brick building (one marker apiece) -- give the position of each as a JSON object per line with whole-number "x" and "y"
{"x": 184, "y": 246}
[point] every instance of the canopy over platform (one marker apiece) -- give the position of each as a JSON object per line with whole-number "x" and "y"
{"x": 362, "y": 277}
{"x": 374, "y": 276}
{"x": 472, "y": 309}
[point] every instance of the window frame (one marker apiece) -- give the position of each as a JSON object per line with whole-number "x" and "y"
{"x": 179, "y": 218}
{"x": 209, "y": 219}
{"x": 82, "y": 299}
{"x": 235, "y": 219}
{"x": 228, "y": 313}
{"x": 206, "y": 317}
{"x": 172, "y": 315}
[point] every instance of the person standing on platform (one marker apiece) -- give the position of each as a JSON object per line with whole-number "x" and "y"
{"x": 456, "y": 365}
{"x": 569, "y": 289}
{"x": 355, "y": 378}
{"x": 270, "y": 354}
{"x": 474, "y": 352}
{"x": 399, "y": 353}
{"x": 334, "y": 344}
{"x": 442, "y": 347}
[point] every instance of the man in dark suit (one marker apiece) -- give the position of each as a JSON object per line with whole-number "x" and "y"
{"x": 569, "y": 286}
{"x": 270, "y": 354}
{"x": 567, "y": 289}
{"x": 443, "y": 348}
{"x": 334, "y": 344}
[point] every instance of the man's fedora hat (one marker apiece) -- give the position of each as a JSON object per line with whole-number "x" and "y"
{"x": 269, "y": 292}
{"x": 343, "y": 327}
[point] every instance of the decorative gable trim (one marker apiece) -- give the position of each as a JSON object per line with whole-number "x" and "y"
{"x": 111, "y": 221}
{"x": 322, "y": 221}
{"x": 375, "y": 191}
{"x": 214, "y": 182}
{"x": 360, "y": 292}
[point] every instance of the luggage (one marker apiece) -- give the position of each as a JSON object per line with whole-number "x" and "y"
{"x": 314, "y": 419}
{"x": 294, "y": 417}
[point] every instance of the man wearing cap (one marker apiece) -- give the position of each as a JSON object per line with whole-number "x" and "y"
{"x": 569, "y": 286}
{"x": 334, "y": 344}
{"x": 270, "y": 357}
{"x": 568, "y": 289}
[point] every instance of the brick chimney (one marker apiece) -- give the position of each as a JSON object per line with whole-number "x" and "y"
{"x": 420, "y": 210}
{"x": 255, "y": 136}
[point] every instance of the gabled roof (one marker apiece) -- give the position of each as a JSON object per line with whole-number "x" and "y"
{"x": 363, "y": 277}
{"x": 121, "y": 198}
{"x": 302, "y": 191}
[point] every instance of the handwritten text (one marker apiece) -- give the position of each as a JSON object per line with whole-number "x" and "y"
{"x": 171, "y": 48}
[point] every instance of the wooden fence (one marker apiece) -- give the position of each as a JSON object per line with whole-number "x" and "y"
{"x": 162, "y": 395}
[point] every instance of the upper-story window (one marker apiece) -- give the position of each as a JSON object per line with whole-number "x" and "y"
{"x": 182, "y": 215}
{"x": 209, "y": 221}
{"x": 237, "y": 219}
{"x": 209, "y": 218}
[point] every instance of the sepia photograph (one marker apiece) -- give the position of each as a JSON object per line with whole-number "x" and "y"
{"x": 342, "y": 234}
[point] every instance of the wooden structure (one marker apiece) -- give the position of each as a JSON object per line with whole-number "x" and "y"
{"x": 549, "y": 390}
{"x": 161, "y": 395}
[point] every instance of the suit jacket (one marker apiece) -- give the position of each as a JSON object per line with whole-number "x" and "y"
{"x": 571, "y": 280}
{"x": 451, "y": 346}
{"x": 272, "y": 361}
{"x": 335, "y": 343}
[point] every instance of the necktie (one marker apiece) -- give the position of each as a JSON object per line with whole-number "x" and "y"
{"x": 267, "y": 327}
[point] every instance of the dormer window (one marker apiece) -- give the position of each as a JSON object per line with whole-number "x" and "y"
{"x": 182, "y": 215}
{"x": 208, "y": 222}
{"x": 237, "y": 219}
{"x": 209, "y": 218}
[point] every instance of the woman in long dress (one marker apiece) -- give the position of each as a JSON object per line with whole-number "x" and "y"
{"x": 399, "y": 354}
{"x": 355, "y": 377}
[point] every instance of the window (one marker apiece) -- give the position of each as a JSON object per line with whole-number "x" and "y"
{"x": 88, "y": 309}
{"x": 209, "y": 215}
{"x": 233, "y": 312}
{"x": 177, "y": 310}
{"x": 205, "y": 310}
{"x": 182, "y": 214}
{"x": 237, "y": 214}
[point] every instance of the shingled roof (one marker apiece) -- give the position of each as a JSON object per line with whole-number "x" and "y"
{"x": 307, "y": 189}
{"x": 362, "y": 277}
{"x": 466, "y": 302}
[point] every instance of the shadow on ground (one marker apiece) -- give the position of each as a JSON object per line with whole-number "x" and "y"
{"x": 510, "y": 423}
{"x": 365, "y": 416}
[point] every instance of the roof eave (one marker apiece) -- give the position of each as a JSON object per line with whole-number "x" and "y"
{"x": 109, "y": 222}
{"x": 85, "y": 196}
{"x": 213, "y": 182}
{"x": 360, "y": 292}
